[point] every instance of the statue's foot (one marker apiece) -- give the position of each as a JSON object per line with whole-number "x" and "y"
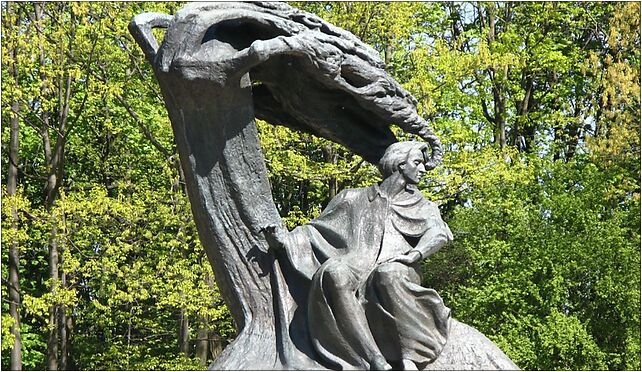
{"x": 380, "y": 364}
{"x": 409, "y": 365}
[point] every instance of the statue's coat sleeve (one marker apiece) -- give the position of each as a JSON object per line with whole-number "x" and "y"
{"x": 329, "y": 235}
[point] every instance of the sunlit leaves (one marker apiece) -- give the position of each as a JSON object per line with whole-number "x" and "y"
{"x": 547, "y": 230}
{"x": 128, "y": 247}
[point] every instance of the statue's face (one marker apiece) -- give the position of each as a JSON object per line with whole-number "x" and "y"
{"x": 414, "y": 168}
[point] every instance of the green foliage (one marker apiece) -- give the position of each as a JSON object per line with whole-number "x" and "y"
{"x": 538, "y": 107}
{"x": 543, "y": 257}
{"x": 303, "y": 169}
{"x": 7, "y": 337}
{"x": 546, "y": 255}
{"x": 34, "y": 347}
{"x": 128, "y": 246}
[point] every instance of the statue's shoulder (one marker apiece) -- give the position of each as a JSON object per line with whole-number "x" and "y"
{"x": 352, "y": 194}
{"x": 346, "y": 198}
{"x": 427, "y": 207}
{"x": 432, "y": 209}
{"x": 429, "y": 203}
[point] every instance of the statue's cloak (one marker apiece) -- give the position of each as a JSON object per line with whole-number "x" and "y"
{"x": 360, "y": 230}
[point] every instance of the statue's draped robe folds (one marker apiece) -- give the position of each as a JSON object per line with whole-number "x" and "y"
{"x": 357, "y": 233}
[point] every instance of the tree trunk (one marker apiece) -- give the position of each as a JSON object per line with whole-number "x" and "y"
{"x": 71, "y": 366}
{"x": 202, "y": 341}
{"x": 14, "y": 291}
{"x": 331, "y": 157}
{"x": 52, "y": 339}
{"x": 224, "y": 171}
{"x": 523, "y": 136}
{"x": 183, "y": 318}
{"x": 64, "y": 351}
{"x": 14, "y": 248}
{"x": 49, "y": 196}
{"x": 54, "y": 159}
{"x": 500, "y": 115}
{"x": 64, "y": 334}
{"x": 183, "y": 333}
{"x": 66, "y": 315}
{"x": 215, "y": 344}
{"x": 129, "y": 334}
{"x": 491, "y": 22}
{"x": 574, "y": 131}
{"x": 498, "y": 99}
{"x": 387, "y": 54}
{"x": 230, "y": 196}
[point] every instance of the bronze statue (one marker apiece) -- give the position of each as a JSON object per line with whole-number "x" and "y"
{"x": 366, "y": 306}
{"x": 220, "y": 66}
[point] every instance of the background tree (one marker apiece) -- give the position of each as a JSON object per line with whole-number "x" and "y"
{"x": 77, "y": 79}
{"x": 538, "y": 105}
{"x": 13, "y": 283}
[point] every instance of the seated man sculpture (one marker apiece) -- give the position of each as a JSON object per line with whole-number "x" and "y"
{"x": 366, "y": 307}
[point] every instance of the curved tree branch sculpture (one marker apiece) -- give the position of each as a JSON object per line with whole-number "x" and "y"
{"x": 219, "y": 66}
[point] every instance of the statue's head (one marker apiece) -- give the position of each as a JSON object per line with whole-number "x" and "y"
{"x": 409, "y": 158}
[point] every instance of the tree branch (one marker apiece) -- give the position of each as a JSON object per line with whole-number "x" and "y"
{"x": 148, "y": 134}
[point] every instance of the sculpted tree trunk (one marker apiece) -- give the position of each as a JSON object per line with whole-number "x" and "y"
{"x": 221, "y": 65}
{"x": 225, "y": 178}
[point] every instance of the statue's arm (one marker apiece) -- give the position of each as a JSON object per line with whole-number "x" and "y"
{"x": 293, "y": 246}
{"x": 436, "y": 237}
{"x": 306, "y": 247}
{"x": 279, "y": 238}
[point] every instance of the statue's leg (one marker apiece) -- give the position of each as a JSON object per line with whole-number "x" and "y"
{"x": 388, "y": 280}
{"x": 340, "y": 287}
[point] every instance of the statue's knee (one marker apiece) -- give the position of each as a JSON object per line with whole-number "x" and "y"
{"x": 338, "y": 276}
{"x": 388, "y": 274}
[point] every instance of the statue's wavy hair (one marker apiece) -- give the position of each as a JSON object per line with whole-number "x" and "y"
{"x": 397, "y": 153}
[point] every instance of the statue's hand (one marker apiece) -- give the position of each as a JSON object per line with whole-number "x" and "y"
{"x": 275, "y": 236}
{"x": 408, "y": 258}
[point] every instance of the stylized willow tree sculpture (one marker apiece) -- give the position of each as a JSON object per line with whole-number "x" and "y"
{"x": 221, "y": 65}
